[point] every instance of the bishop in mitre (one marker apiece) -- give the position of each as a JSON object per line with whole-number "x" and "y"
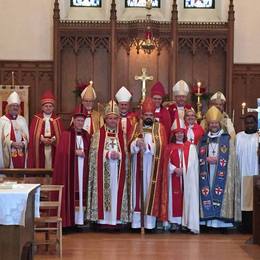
{"x": 177, "y": 110}
{"x": 127, "y": 118}
{"x": 14, "y": 135}
{"x": 219, "y": 100}
{"x": 93, "y": 120}
{"x": 108, "y": 184}
{"x": 219, "y": 180}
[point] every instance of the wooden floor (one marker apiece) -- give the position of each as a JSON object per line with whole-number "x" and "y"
{"x": 120, "y": 246}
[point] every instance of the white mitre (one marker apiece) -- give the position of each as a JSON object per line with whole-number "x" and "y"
{"x": 13, "y": 99}
{"x": 219, "y": 96}
{"x": 123, "y": 95}
{"x": 181, "y": 88}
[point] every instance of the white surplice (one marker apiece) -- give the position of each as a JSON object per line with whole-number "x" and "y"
{"x": 47, "y": 148}
{"x": 149, "y": 221}
{"x": 110, "y": 217}
{"x": 190, "y": 215}
{"x": 247, "y": 159}
{"x": 21, "y": 134}
{"x": 79, "y": 211}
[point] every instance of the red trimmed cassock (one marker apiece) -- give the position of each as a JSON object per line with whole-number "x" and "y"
{"x": 108, "y": 185}
{"x": 150, "y": 162}
{"x": 44, "y": 126}
{"x": 71, "y": 171}
{"x": 161, "y": 113}
{"x": 13, "y": 129}
{"x": 127, "y": 119}
{"x": 182, "y": 195}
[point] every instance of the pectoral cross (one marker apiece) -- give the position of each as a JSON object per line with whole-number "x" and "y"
{"x": 144, "y": 77}
{"x": 258, "y": 114}
{"x": 113, "y": 143}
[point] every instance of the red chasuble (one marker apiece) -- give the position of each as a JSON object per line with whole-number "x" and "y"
{"x": 36, "y": 158}
{"x": 66, "y": 173}
{"x": 164, "y": 117}
{"x": 171, "y": 155}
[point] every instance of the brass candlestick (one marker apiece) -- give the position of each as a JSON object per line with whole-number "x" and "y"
{"x": 198, "y": 92}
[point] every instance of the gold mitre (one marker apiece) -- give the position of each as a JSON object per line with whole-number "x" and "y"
{"x": 213, "y": 114}
{"x": 88, "y": 94}
{"x": 218, "y": 96}
{"x": 111, "y": 108}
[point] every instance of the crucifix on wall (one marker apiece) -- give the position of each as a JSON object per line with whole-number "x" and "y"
{"x": 143, "y": 77}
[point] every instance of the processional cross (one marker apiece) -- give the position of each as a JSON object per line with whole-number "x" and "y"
{"x": 144, "y": 77}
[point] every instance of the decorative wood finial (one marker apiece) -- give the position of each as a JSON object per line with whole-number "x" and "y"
{"x": 56, "y": 10}
{"x": 231, "y": 12}
{"x": 174, "y": 11}
{"x": 113, "y": 11}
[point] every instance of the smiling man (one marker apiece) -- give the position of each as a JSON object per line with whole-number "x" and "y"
{"x": 219, "y": 180}
{"x": 108, "y": 184}
{"x": 45, "y": 131}
{"x": 14, "y": 135}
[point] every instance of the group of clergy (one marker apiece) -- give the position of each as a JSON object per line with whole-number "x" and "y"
{"x": 155, "y": 166}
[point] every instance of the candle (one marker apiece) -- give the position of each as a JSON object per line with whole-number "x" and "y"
{"x": 199, "y": 85}
{"x": 243, "y": 108}
{"x": 12, "y": 78}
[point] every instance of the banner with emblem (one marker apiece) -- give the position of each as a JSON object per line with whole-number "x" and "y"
{"x": 23, "y": 92}
{"x": 212, "y": 197}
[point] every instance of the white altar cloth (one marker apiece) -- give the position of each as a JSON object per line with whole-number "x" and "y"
{"x": 13, "y": 203}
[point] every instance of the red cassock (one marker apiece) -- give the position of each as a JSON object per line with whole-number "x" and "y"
{"x": 198, "y": 132}
{"x": 66, "y": 173}
{"x": 171, "y": 155}
{"x": 164, "y": 117}
{"x": 173, "y": 110}
{"x": 36, "y": 158}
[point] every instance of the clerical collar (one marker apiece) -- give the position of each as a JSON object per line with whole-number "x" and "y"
{"x": 123, "y": 114}
{"x": 214, "y": 135}
{"x": 11, "y": 117}
{"x": 158, "y": 109}
{"x": 179, "y": 142}
{"x": 47, "y": 115}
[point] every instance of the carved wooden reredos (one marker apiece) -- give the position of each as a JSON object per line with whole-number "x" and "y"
{"x": 107, "y": 52}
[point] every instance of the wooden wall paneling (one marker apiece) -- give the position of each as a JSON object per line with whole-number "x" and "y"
{"x": 122, "y": 68}
{"x": 68, "y": 80}
{"x": 37, "y": 74}
{"x": 200, "y": 67}
{"x": 246, "y": 88}
{"x": 185, "y": 65}
{"x": 217, "y": 68}
{"x": 85, "y": 65}
{"x": 102, "y": 75}
{"x": 164, "y": 69}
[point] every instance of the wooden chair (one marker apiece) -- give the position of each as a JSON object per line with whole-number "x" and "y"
{"x": 50, "y": 220}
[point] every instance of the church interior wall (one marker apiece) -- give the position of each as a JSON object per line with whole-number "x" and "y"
{"x": 26, "y": 25}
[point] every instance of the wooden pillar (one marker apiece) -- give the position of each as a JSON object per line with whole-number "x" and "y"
{"x": 174, "y": 47}
{"x": 113, "y": 49}
{"x": 56, "y": 54}
{"x": 230, "y": 57}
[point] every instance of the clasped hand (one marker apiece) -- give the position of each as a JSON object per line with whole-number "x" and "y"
{"x": 141, "y": 144}
{"x": 114, "y": 155}
{"x": 212, "y": 160}
{"x": 17, "y": 145}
